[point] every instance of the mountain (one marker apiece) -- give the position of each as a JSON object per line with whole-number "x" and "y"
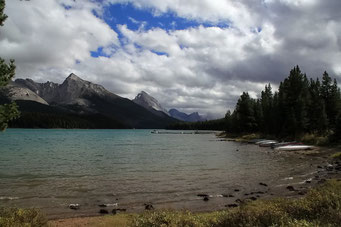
{"x": 73, "y": 90}
{"x": 149, "y": 102}
{"x": 193, "y": 117}
{"x": 79, "y": 103}
{"x": 19, "y": 92}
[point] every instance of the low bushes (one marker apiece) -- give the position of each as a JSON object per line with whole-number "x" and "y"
{"x": 320, "y": 207}
{"x": 336, "y": 156}
{"x": 21, "y": 217}
{"x": 315, "y": 139}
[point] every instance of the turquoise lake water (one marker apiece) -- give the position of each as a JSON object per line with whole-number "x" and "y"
{"x": 50, "y": 169}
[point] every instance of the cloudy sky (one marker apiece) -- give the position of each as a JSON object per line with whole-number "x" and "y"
{"x": 193, "y": 55}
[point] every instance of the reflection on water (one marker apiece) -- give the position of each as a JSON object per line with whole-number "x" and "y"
{"x": 53, "y": 168}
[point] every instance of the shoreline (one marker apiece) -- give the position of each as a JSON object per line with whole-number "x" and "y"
{"x": 327, "y": 169}
{"x": 318, "y": 167}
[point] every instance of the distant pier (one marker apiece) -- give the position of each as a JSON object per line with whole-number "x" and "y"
{"x": 182, "y": 132}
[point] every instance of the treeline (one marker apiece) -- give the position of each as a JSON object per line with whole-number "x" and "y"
{"x": 300, "y": 106}
{"x": 36, "y": 115}
{"x": 65, "y": 121}
{"x": 218, "y": 124}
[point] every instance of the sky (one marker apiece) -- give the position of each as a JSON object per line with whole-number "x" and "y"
{"x": 192, "y": 55}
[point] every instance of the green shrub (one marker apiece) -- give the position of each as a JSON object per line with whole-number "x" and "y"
{"x": 21, "y": 217}
{"x": 337, "y": 155}
{"x": 172, "y": 218}
{"x": 315, "y": 139}
{"x": 251, "y": 136}
{"x": 320, "y": 207}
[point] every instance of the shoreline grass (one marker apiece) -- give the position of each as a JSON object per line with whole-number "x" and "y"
{"x": 321, "y": 206}
{"x": 308, "y": 138}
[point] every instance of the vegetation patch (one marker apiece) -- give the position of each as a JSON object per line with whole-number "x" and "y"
{"x": 251, "y": 136}
{"x": 336, "y": 156}
{"x": 21, "y": 217}
{"x": 314, "y": 139}
{"x": 320, "y": 207}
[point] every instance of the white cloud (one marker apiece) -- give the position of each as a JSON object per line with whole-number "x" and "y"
{"x": 42, "y": 34}
{"x": 201, "y": 68}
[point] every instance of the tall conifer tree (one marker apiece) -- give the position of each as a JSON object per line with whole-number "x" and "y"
{"x": 7, "y": 71}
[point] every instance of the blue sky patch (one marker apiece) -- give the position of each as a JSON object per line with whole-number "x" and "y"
{"x": 144, "y": 18}
{"x": 97, "y": 53}
{"x": 160, "y": 53}
{"x": 134, "y": 17}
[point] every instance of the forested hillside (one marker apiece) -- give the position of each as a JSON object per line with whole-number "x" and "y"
{"x": 300, "y": 106}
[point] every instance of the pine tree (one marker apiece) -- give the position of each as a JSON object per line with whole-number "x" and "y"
{"x": 244, "y": 114}
{"x": 317, "y": 118}
{"x": 266, "y": 102}
{"x": 228, "y": 121}
{"x": 3, "y": 16}
{"x": 293, "y": 100}
{"x": 331, "y": 96}
{"x": 9, "y": 111}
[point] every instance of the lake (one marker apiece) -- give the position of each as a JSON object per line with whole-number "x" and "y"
{"x": 51, "y": 169}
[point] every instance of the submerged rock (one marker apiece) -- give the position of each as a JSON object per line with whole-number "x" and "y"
{"x": 338, "y": 168}
{"x": 302, "y": 192}
{"x": 118, "y": 210}
{"x": 109, "y": 205}
{"x": 206, "y": 198}
{"x": 291, "y": 188}
{"x": 321, "y": 181}
{"x": 103, "y": 211}
{"x": 74, "y": 206}
{"x": 228, "y": 195}
{"x": 232, "y": 205}
{"x": 148, "y": 206}
{"x": 202, "y": 195}
{"x": 329, "y": 167}
{"x": 239, "y": 201}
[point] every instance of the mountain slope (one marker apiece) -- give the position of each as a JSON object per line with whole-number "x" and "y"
{"x": 83, "y": 99}
{"x": 18, "y": 92}
{"x": 193, "y": 117}
{"x": 145, "y": 100}
{"x": 37, "y": 115}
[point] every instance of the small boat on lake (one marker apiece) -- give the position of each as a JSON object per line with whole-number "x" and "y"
{"x": 267, "y": 143}
{"x": 282, "y": 144}
{"x": 294, "y": 148}
{"x": 255, "y": 140}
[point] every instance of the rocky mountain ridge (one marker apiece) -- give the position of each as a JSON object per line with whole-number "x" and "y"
{"x": 152, "y": 104}
{"x": 83, "y": 101}
{"x": 71, "y": 91}
{"x": 193, "y": 117}
{"x": 148, "y": 102}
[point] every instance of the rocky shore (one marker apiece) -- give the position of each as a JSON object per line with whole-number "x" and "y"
{"x": 323, "y": 168}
